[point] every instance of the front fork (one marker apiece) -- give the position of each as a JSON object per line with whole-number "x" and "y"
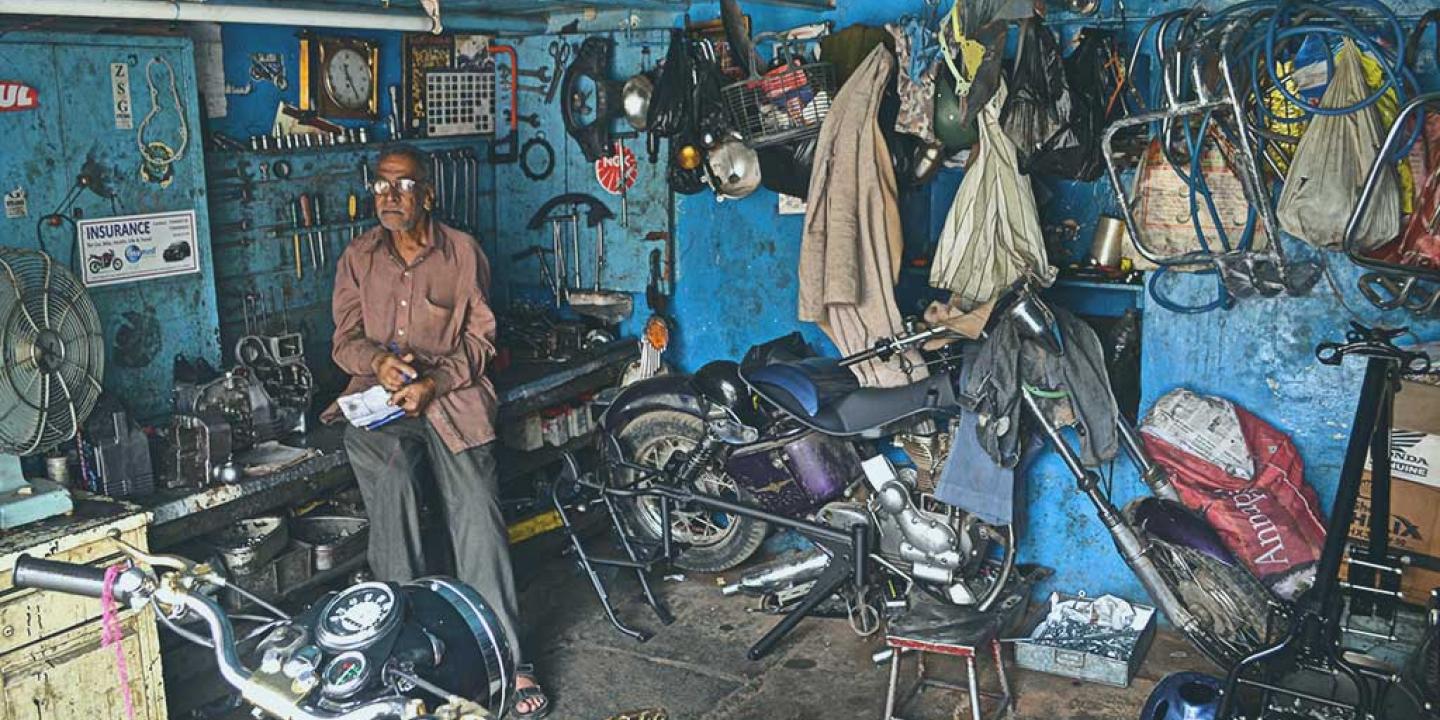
{"x": 1127, "y": 541}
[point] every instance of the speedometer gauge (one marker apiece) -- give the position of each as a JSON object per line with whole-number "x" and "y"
{"x": 358, "y": 616}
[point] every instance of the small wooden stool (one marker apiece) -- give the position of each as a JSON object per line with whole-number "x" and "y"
{"x": 933, "y": 628}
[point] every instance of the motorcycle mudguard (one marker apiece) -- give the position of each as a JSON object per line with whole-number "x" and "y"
{"x": 662, "y": 392}
{"x": 1175, "y": 524}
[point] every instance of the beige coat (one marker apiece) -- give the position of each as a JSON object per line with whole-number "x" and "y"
{"x": 850, "y": 253}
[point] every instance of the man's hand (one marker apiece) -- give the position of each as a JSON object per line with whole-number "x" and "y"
{"x": 415, "y": 397}
{"x": 394, "y": 371}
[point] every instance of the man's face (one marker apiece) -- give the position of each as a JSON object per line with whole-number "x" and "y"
{"x": 399, "y": 211}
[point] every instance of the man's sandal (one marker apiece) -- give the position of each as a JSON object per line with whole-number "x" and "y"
{"x": 529, "y": 696}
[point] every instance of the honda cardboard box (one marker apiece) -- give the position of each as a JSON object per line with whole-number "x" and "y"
{"x": 1414, "y": 491}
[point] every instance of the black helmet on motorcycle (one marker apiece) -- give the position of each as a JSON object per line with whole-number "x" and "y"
{"x": 719, "y": 382}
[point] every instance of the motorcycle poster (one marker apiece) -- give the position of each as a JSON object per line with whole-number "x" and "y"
{"x": 125, "y": 249}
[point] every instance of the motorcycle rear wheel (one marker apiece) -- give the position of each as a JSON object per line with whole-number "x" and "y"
{"x": 712, "y": 541}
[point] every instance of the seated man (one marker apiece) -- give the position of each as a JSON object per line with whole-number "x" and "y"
{"x": 411, "y": 314}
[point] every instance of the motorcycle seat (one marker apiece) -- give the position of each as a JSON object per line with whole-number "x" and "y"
{"x": 826, "y": 397}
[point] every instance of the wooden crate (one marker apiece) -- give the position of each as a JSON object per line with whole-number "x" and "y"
{"x": 52, "y": 662}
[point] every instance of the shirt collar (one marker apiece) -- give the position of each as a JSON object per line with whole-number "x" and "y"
{"x": 375, "y": 239}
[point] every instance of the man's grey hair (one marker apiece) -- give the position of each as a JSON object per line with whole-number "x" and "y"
{"x": 419, "y": 157}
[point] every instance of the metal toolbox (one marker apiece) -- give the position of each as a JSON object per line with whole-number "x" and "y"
{"x": 333, "y": 539}
{"x": 1050, "y": 656}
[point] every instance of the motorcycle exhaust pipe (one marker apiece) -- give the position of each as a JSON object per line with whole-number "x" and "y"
{"x": 780, "y": 574}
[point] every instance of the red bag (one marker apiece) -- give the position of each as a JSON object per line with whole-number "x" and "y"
{"x": 1246, "y": 479}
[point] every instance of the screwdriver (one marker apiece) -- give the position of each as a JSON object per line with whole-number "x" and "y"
{"x": 354, "y": 210}
{"x": 320, "y": 223}
{"x": 307, "y": 215}
{"x": 295, "y": 239}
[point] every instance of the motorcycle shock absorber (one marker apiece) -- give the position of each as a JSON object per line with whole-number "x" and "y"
{"x": 706, "y": 451}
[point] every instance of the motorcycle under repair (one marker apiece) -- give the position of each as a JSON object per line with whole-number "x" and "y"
{"x": 431, "y": 649}
{"x": 694, "y": 469}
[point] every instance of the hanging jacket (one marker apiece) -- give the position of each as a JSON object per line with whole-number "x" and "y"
{"x": 850, "y": 251}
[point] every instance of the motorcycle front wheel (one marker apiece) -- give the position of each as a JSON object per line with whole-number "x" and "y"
{"x": 1229, "y": 602}
{"x": 711, "y": 541}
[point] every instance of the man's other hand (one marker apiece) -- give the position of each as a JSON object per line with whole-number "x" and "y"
{"x": 415, "y": 397}
{"x": 394, "y": 371}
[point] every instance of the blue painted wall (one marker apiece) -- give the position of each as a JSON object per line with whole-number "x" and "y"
{"x": 148, "y": 322}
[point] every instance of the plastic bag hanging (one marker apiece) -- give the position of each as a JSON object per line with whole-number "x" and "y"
{"x": 1331, "y": 162}
{"x": 992, "y": 233}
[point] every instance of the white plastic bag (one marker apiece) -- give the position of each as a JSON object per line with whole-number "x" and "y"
{"x": 992, "y": 234}
{"x": 1332, "y": 161}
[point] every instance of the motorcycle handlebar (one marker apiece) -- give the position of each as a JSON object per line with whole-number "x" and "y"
{"x": 69, "y": 578}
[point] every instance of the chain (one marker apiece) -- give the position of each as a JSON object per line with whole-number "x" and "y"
{"x": 155, "y": 153}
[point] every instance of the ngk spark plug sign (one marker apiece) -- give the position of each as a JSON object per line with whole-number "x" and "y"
{"x": 137, "y": 247}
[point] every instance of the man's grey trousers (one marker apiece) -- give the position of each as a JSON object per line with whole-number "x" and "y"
{"x": 388, "y": 463}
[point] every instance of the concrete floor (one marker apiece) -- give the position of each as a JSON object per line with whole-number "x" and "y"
{"x": 696, "y": 668}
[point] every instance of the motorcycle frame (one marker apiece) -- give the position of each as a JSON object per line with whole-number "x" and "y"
{"x": 848, "y": 549}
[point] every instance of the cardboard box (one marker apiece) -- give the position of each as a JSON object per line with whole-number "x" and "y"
{"x": 1414, "y": 533}
{"x": 1414, "y": 456}
{"x": 1417, "y": 407}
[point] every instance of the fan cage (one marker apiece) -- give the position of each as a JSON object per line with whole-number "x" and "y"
{"x": 51, "y": 353}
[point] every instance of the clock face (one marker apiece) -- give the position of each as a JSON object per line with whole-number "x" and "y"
{"x": 348, "y": 79}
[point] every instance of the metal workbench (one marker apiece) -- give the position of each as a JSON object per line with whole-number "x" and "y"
{"x": 178, "y": 516}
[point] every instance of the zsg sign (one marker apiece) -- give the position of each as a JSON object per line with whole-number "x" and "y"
{"x": 18, "y": 96}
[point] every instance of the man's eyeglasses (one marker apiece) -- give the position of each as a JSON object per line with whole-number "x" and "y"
{"x": 406, "y": 186}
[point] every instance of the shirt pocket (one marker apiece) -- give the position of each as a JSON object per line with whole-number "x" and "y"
{"x": 437, "y": 325}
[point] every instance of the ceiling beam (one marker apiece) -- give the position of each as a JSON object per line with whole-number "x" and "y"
{"x": 170, "y": 11}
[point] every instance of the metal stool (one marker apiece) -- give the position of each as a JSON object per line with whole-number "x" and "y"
{"x": 932, "y": 627}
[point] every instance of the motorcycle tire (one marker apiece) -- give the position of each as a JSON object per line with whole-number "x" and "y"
{"x": 729, "y": 540}
{"x": 1229, "y": 602}
{"x": 95, "y": 266}
{"x": 117, "y": 264}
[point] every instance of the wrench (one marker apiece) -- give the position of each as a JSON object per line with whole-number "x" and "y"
{"x": 533, "y": 89}
{"x": 533, "y": 119}
{"x": 543, "y": 74}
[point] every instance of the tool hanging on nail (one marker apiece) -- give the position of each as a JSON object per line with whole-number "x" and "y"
{"x": 295, "y": 239}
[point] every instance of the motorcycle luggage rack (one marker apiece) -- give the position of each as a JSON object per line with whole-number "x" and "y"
{"x": 1392, "y": 285}
{"x": 849, "y": 549}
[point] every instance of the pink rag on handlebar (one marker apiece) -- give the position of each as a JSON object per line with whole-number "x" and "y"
{"x": 111, "y": 635}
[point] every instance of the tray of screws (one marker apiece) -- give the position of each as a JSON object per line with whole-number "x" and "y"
{"x": 1086, "y": 648}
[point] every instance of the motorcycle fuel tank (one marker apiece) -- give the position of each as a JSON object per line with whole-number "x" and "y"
{"x": 794, "y": 474}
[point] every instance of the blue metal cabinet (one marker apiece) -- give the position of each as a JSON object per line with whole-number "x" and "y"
{"x": 74, "y": 133}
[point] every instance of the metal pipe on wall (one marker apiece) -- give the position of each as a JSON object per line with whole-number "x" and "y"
{"x": 174, "y": 11}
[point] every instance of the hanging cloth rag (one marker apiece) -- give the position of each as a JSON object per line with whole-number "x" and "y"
{"x": 850, "y": 251}
{"x": 992, "y": 234}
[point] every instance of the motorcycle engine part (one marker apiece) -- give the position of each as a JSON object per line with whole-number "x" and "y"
{"x": 347, "y": 674}
{"x": 928, "y": 452}
{"x": 688, "y": 158}
{"x": 635, "y": 100}
{"x": 591, "y": 100}
{"x": 358, "y": 617}
{"x": 793, "y": 474}
{"x": 121, "y": 453}
{"x": 734, "y": 169}
{"x": 926, "y": 540}
{"x": 1183, "y": 696}
{"x": 200, "y": 447}
{"x": 540, "y": 144}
